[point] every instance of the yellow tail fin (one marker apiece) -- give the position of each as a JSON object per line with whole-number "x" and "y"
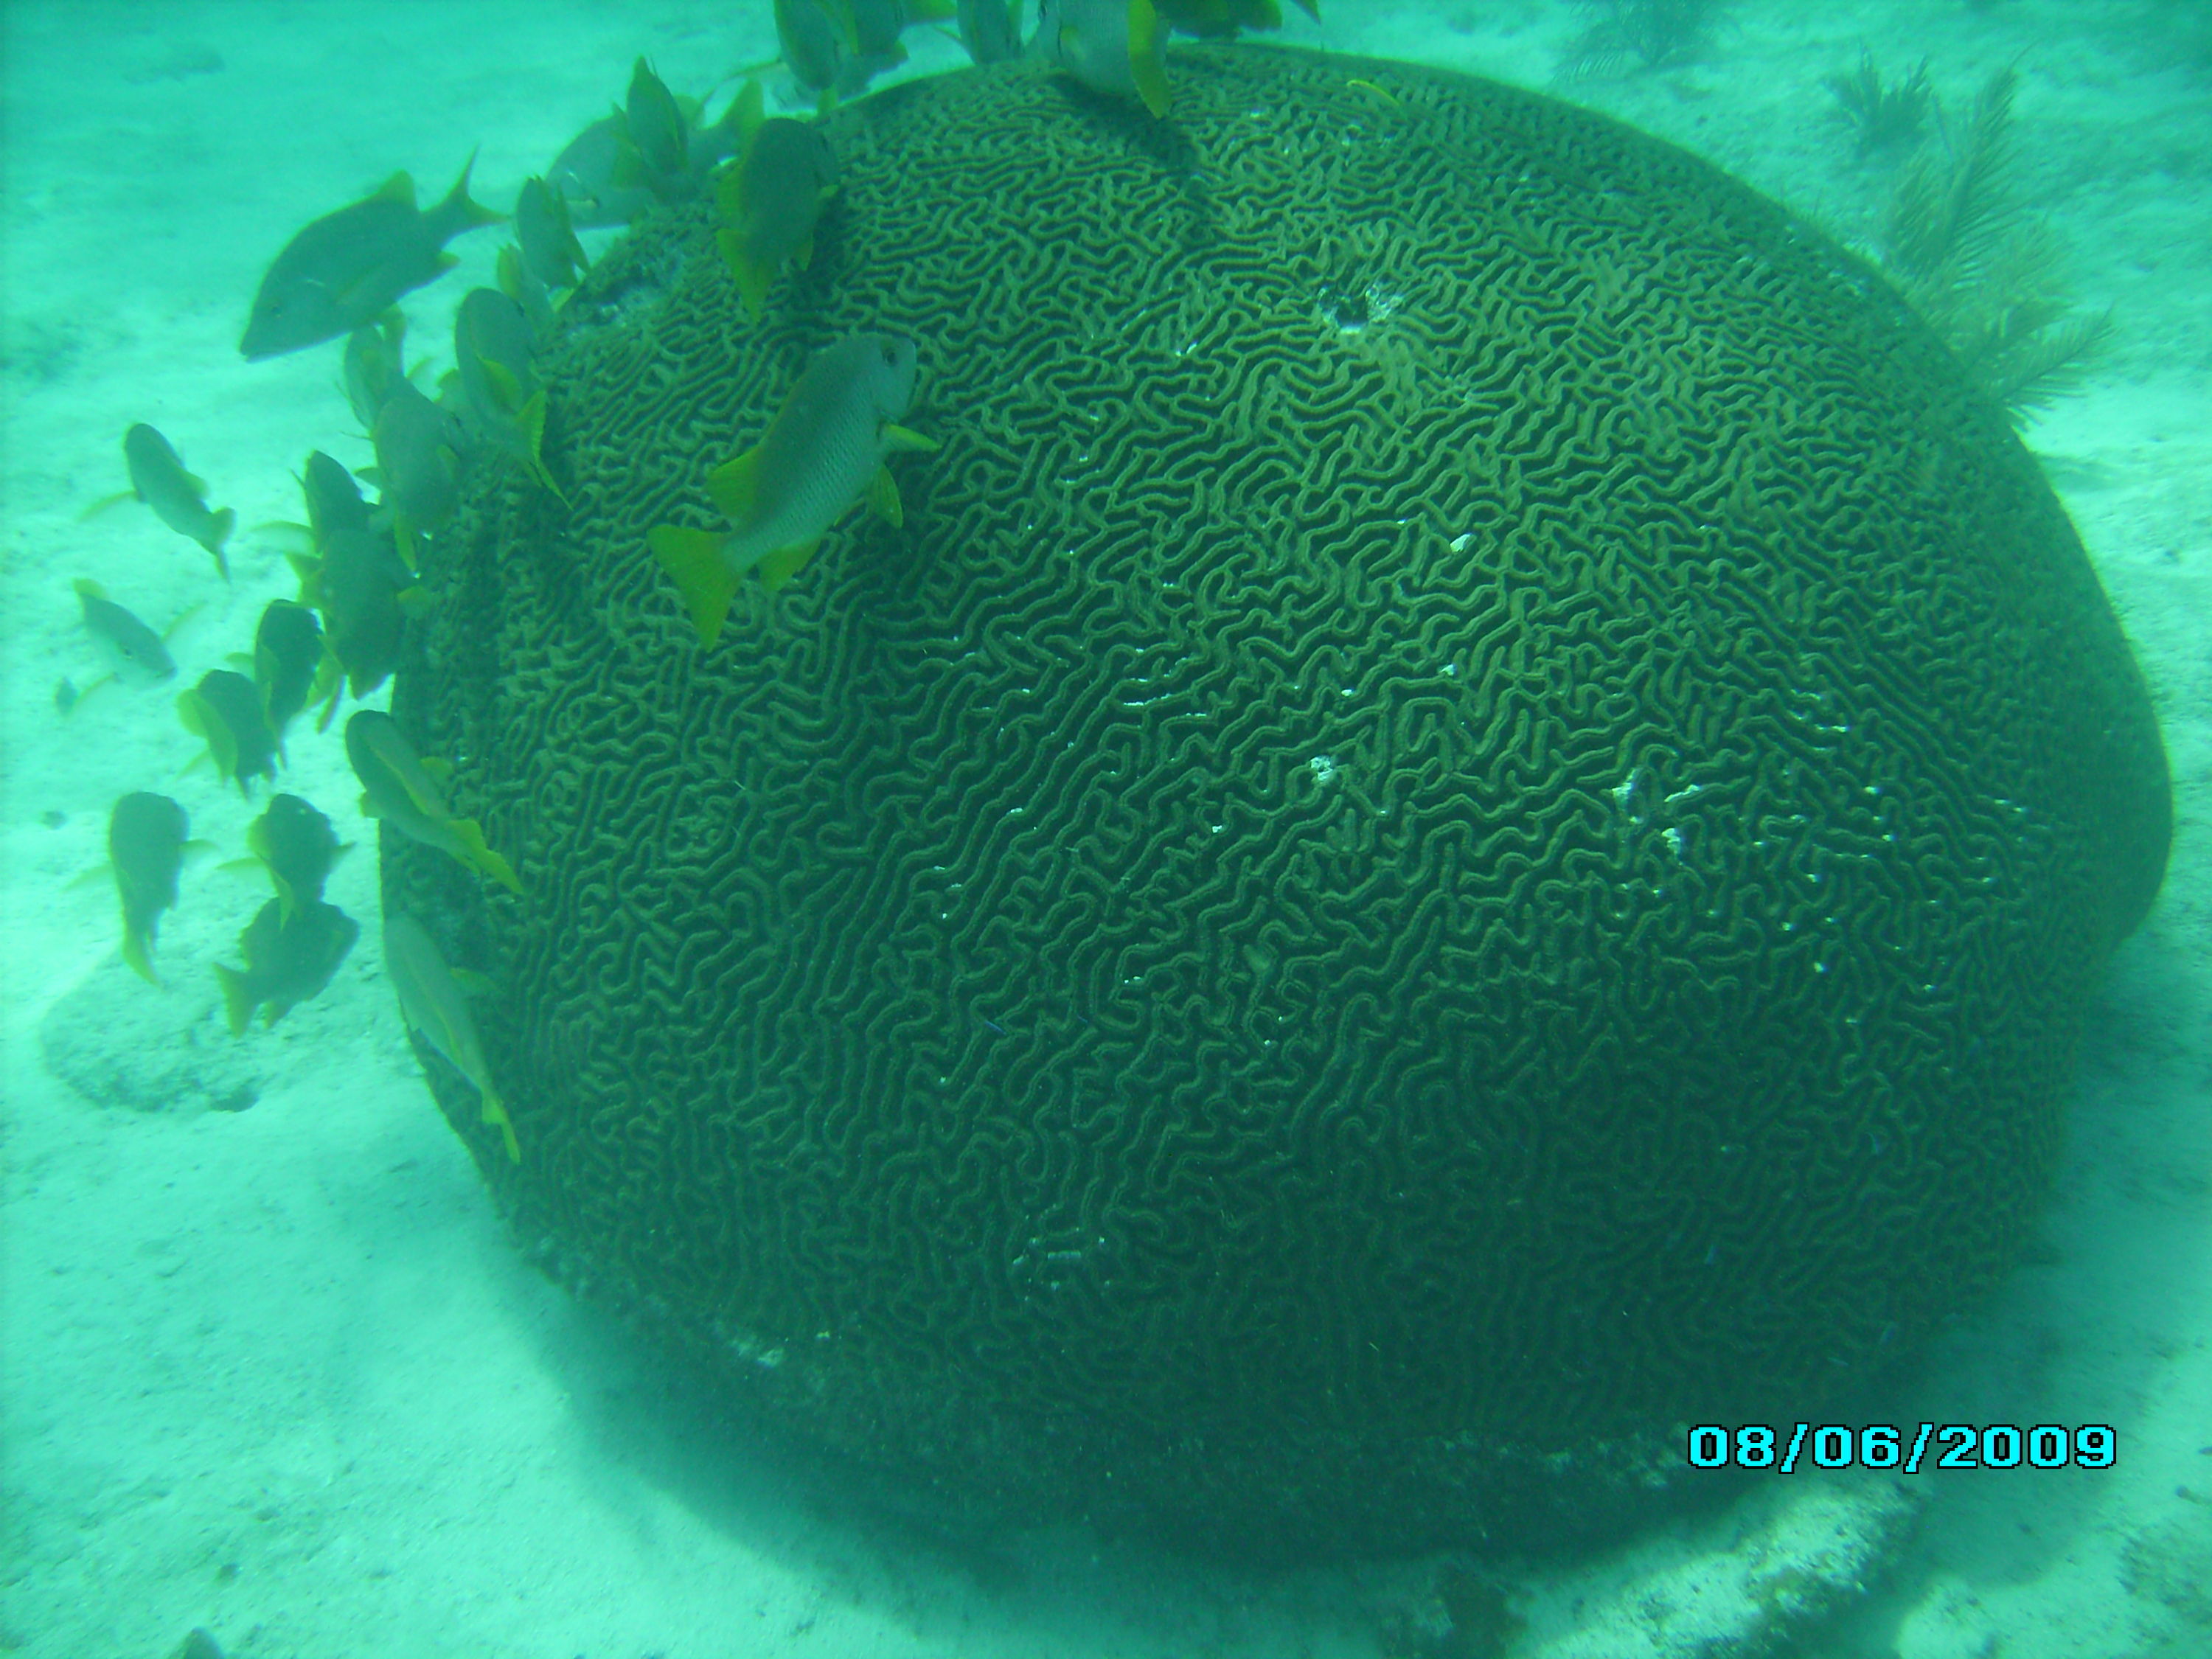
{"x": 476, "y": 853}
{"x": 752, "y": 278}
{"x": 1148, "y": 33}
{"x": 694, "y": 559}
{"x": 237, "y": 1000}
{"x": 494, "y": 1112}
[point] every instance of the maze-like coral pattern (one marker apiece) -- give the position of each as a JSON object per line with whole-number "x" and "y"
{"x": 1472, "y": 815}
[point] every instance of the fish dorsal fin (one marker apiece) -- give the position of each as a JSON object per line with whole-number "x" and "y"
{"x": 734, "y": 486}
{"x": 883, "y": 497}
{"x": 399, "y": 187}
{"x": 458, "y": 213}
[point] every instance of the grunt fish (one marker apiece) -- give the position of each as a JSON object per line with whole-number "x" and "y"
{"x": 346, "y": 268}
{"x": 434, "y": 1006}
{"x": 145, "y": 849}
{"x": 824, "y": 451}
{"x": 135, "y": 651}
{"x": 766, "y": 205}
{"x": 398, "y": 789}
{"x": 291, "y": 954}
{"x": 178, "y": 499}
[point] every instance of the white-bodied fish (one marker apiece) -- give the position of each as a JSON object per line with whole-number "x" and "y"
{"x": 823, "y": 451}
{"x": 600, "y": 173}
{"x": 419, "y": 446}
{"x": 133, "y": 650}
{"x": 495, "y": 349}
{"x": 398, "y": 788}
{"x": 178, "y": 499}
{"x": 547, "y": 236}
{"x": 434, "y": 1006}
{"x": 356, "y": 580}
{"x": 990, "y": 29}
{"x": 1118, "y": 48}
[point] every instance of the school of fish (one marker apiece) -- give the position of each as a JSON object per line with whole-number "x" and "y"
{"x": 763, "y": 511}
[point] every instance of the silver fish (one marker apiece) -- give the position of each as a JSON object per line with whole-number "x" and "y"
{"x": 990, "y": 29}
{"x": 178, "y": 499}
{"x": 823, "y": 451}
{"x": 550, "y": 248}
{"x": 435, "y": 1007}
{"x": 133, "y": 650}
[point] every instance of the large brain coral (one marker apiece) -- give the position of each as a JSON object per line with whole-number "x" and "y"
{"x": 1473, "y": 816}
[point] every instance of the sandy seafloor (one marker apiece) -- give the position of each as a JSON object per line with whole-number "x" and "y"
{"x": 278, "y": 1373}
